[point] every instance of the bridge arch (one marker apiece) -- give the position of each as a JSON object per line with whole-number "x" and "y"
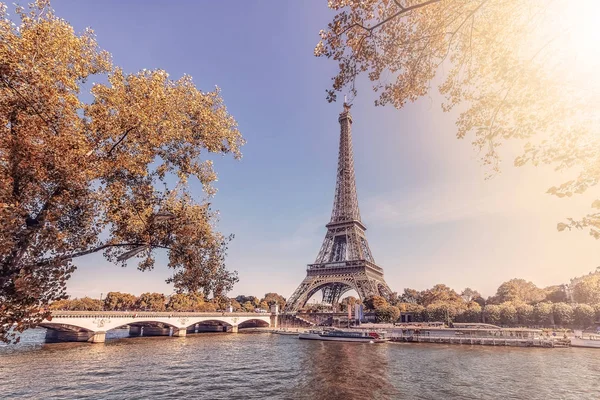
{"x": 209, "y": 325}
{"x": 254, "y": 323}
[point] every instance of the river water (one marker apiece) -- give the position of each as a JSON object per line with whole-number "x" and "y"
{"x": 267, "y": 366}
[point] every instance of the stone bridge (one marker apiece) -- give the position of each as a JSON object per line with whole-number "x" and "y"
{"x": 91, "y": 326}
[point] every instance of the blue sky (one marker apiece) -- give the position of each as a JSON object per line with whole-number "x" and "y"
{"x": 431, "y": 215}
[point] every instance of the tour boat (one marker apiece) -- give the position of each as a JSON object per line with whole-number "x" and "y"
{"x": 590, "y": 340}
{"x": 284, "y": 332}
{"x": 344, "y": 336}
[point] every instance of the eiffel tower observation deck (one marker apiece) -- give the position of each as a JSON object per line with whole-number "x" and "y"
{"x": 345, "y": 261}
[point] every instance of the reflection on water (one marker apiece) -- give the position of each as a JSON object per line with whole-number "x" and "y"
{"x": 264, "y": 366}
{"x": 344, "y": 370}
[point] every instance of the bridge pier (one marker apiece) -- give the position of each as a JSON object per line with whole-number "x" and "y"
{"x": 234, "y": 329}
{"x": 98, "y": 337}
{"x": 274, "y": 320}
{"x": 181, "y": 332}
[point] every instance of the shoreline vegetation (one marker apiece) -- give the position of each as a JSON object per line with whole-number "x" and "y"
{"x": 517, "y": 302}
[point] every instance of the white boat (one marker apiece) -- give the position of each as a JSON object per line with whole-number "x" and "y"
{"x": 338, "y": 335}
{"x": 284, "y": 332}
{"x": 585, "y": 339}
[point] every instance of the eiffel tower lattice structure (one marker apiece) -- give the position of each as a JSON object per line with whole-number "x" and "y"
{"x": 345, "y": 261}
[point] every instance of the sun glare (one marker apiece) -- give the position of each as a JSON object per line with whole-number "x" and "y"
{"x": 576, "y": 27}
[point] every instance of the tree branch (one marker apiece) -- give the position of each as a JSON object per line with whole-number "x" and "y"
{"x": 121, "y": 139}
{"x": 93, "y": 250}
{"x": 29, "y": 104}
{"x": 403, "y": 10}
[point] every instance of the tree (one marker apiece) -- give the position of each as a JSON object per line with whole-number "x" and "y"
{"x": 180, "y": 302}
{"x": 272, "y": 298}
{"x": 443, "y": 311}
{"x": 556, "y": 294}
{"x": 387, "y": 314}
{"x": 253, "y": 300}
{"x": 472, "y": 313}
{"x": 248, "y": 306}
{"x": 492, "y": 314}
{"x": 235, "y": 305}
{"x": 519, "y": 291}
{"x": 583, "y": 315}
{"x": 86, "y": 304}
{"x": 411, "y": 296}
{"x": 439, "y": 293}
{"x": 587, "y": 290}
{"x": 543, "y": 314}
{"x": 469, "y": 295}
{"x": 348, "y": 301}
{"x": 151, "y": 302}
{"x": 525, "y": 314}
{"x": 106, "y": 176}
{"x": 83, "y": 304}
{"x": 375, "y": 302}
{"x": 62, "y": 304}
{"x": 508, "y": 314}
{"x": 117, "y": 301}
{"x": 563, "y": 314}
{"x": 507, "y": 66}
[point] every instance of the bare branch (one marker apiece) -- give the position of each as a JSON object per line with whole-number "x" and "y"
{"x": 121, "y": 139}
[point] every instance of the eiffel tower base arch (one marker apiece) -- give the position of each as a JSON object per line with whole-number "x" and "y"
{"x": 333, "y": 286}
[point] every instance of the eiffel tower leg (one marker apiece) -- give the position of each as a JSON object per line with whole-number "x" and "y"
{"x": 300, "y": 296}
{"x": 333, "y": 287}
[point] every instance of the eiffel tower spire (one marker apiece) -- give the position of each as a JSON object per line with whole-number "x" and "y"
{"x": 345, "y": 203}
{"x": 344, "y": 261}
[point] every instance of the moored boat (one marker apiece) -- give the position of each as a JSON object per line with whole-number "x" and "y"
{"x": 339, "y": 335}
{"x": 589, "y": 340}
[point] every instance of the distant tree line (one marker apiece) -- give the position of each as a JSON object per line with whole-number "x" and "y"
{"x": 517, "y": 302}
{"x": 117, "y": 301}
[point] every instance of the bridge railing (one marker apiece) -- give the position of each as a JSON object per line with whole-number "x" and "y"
{"x": 137, "y": 314}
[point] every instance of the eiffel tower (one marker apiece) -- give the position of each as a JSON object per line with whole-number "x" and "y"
{"x": 345, "y": 261}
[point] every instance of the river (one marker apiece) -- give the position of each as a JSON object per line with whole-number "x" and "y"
{"x": 267, "y": 366}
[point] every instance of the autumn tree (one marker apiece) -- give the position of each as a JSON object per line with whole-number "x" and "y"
{"x": 82, "y": 304}
{"x": 583, "y": 315}
{"x": 235, "y": 305}
{"x": 272, "y": 298}
{"x": 525, "y": 316}
{"x": 180, "y": 302}
{"x": 508, "y": 314}
{"x": 563, "y": 314}
{"x": 439, "y": 293}
{"x": 519, "y": 291}
{"x": 387, "y": 314}
{"x": 151, "y": 302}
{"x": 512, "y": 69}
{"x": 375, "y": 302}
{"x": 248, "y": 306}
{"x": 492, "y": 314}
{"x": 469, "y": 294}
{"x": 556, "y": 294}
{"x": 252, "y": 299}
{"x": 471, "y": 313}
{"x": 587, "y": 289}
{"x": 410, "y": 296}
{"x": 543, "y": 314}
{"x": 117, "y": 301}
{"x": 106, "y": 176}
{"x": 348, "y": 301}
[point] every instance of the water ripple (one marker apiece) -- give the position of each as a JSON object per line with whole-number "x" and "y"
{"x": 229, "y": 366}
